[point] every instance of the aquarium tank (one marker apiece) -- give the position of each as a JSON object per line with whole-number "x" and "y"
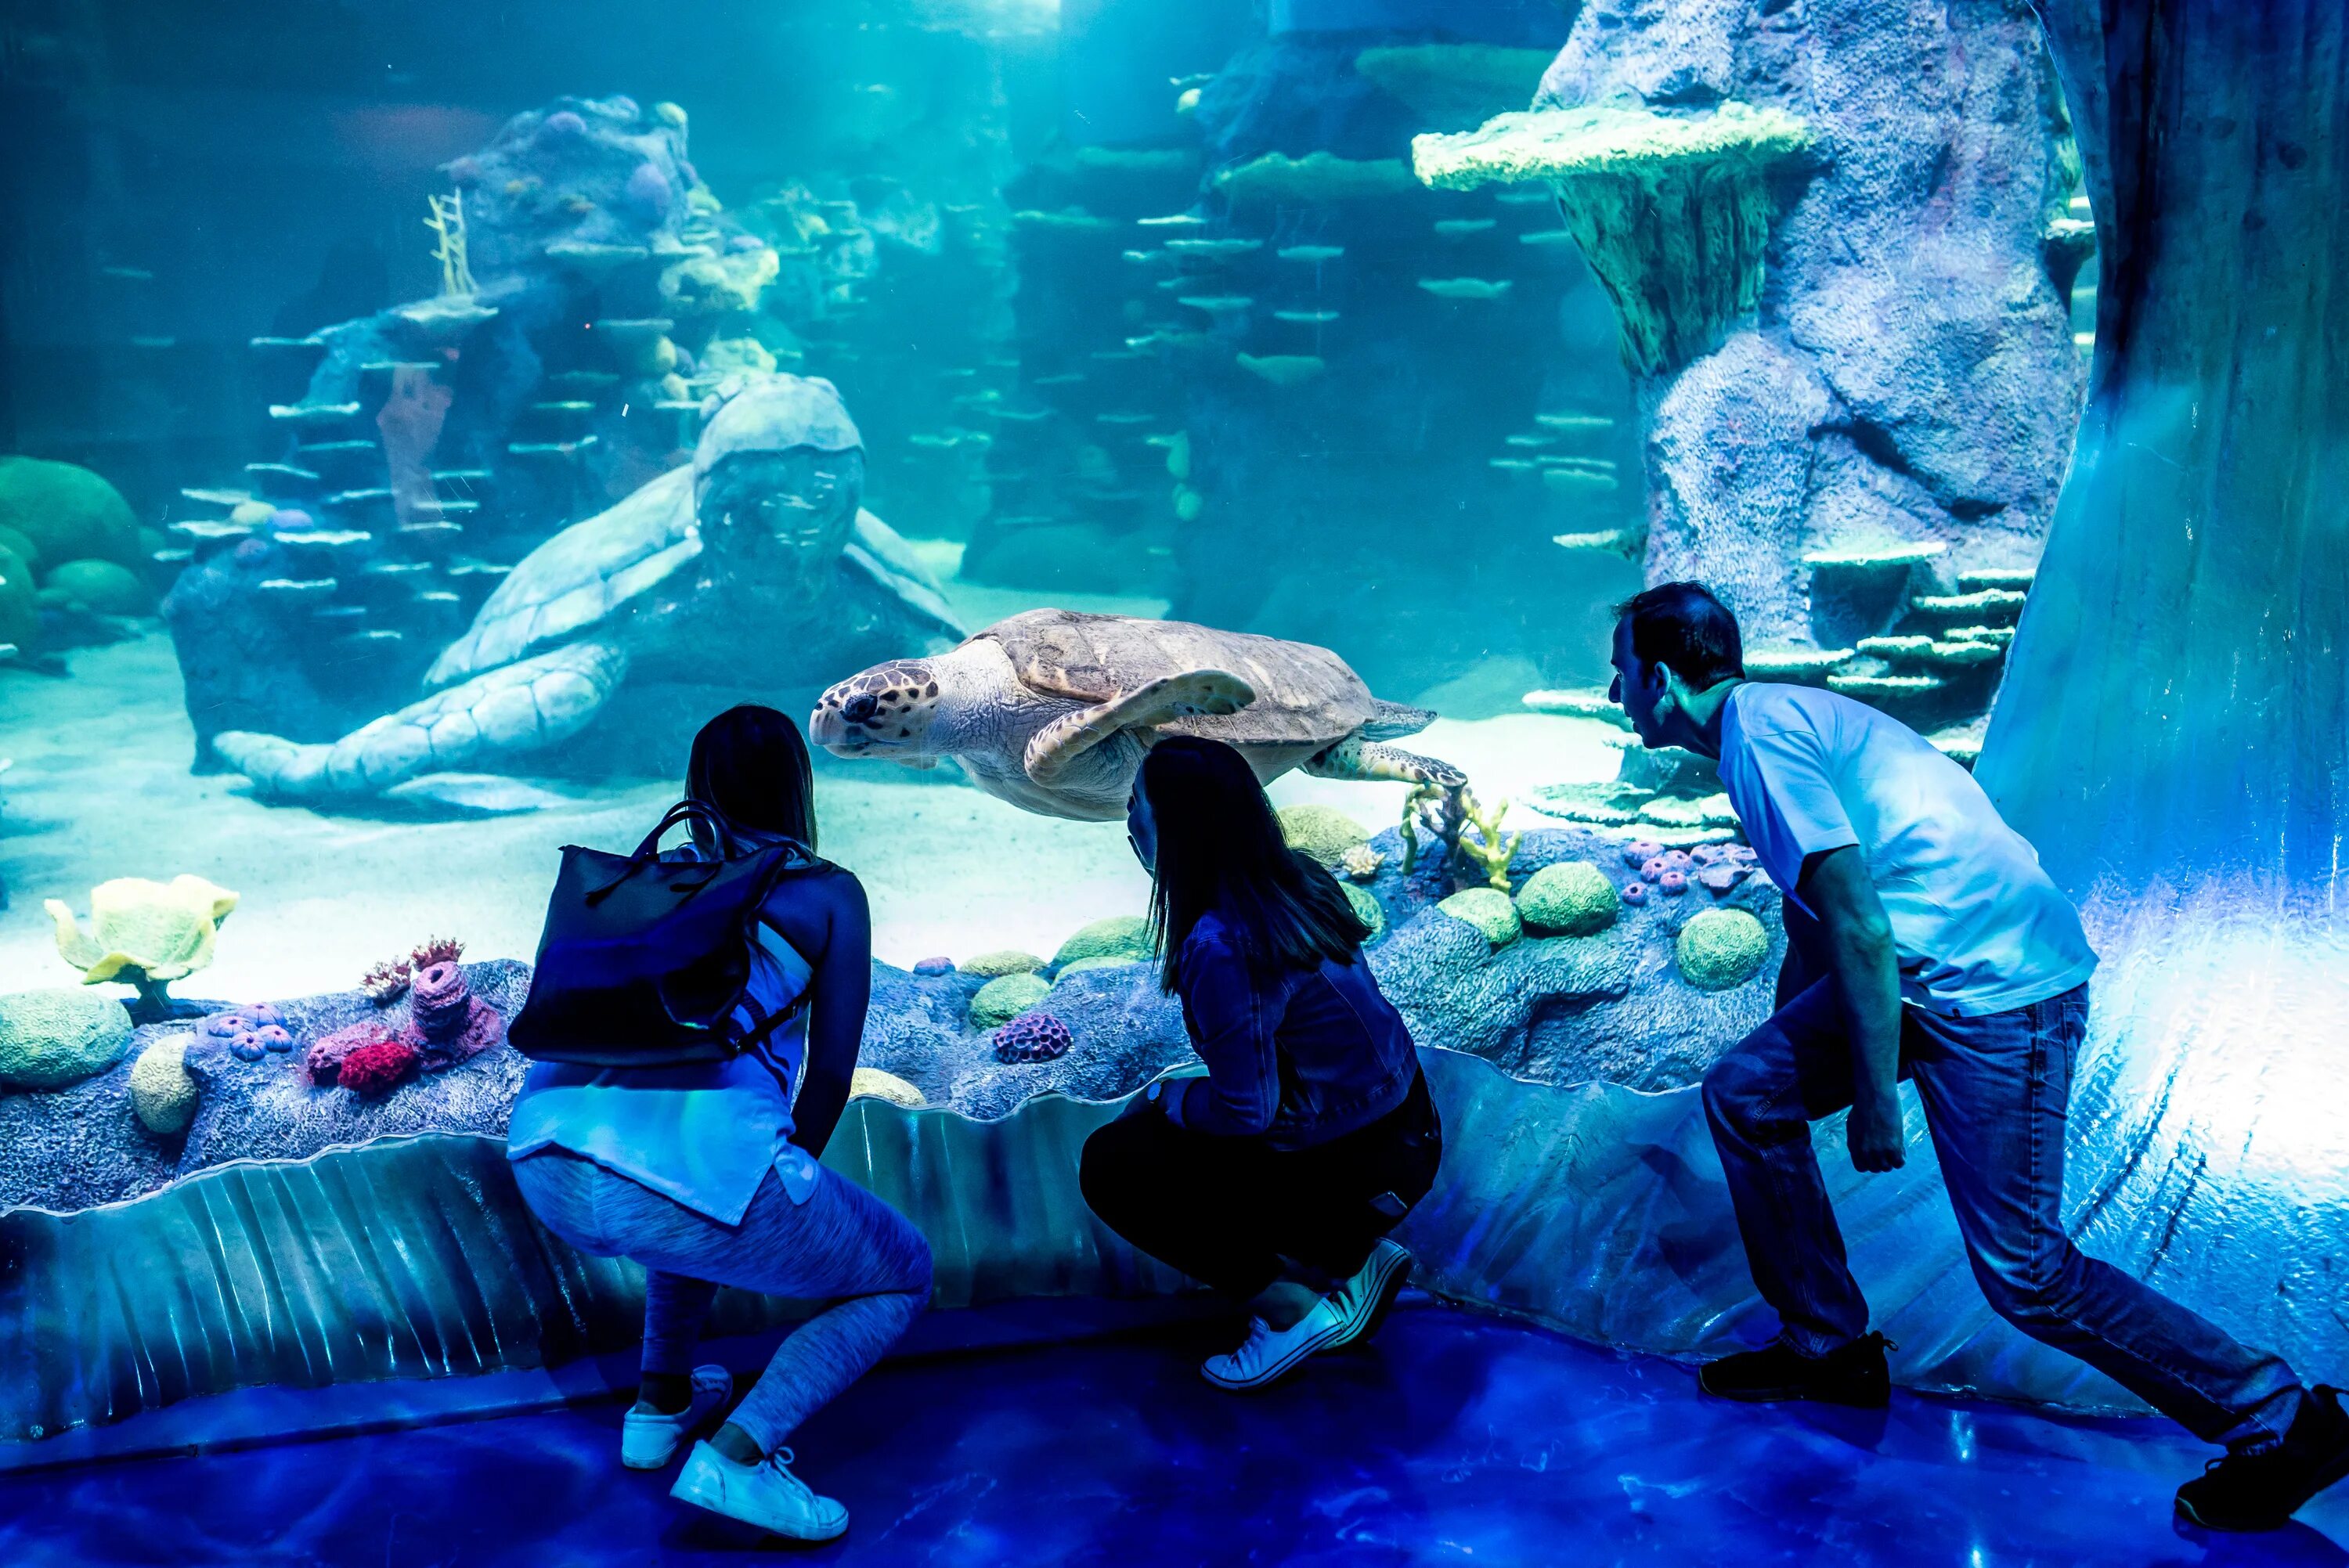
{"x": 417, "y": 420}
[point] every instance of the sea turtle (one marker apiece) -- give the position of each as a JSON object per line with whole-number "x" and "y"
{"x": 754, "y": 557}
{"x": 1053, "y": 710}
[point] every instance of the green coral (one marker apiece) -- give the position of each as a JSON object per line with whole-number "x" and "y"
{"x": 1490, "y": 911}
{"x": 144, "y": 934}
{"x": 1366, "y": 910}
{"x": 52, "y": 1038}
{"x": 1123, "y": 937}
{"x": 68, "y": 512}
{"x": 1277, "y": 179}
{"x": 163, "y": 1092}
{"x": 1323, "y": 832}
{"x": 1719, "y": 948}
{"x": 1491, "y": 850}
{"x": 1672, "y": 211}
{"x": 1004, "y": 998}
{"x": 1568, "y": 899}
{"x": 1002, "y": 961}
{"x": 1454, "y": 86}
{"x": 101, "y": 585}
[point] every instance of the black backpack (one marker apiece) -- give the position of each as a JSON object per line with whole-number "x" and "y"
{"x": 645, "y": 962}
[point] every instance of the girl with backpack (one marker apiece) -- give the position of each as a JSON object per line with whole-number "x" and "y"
{"x": 706, "y": 1174}
{"x": 1277, "y": 1177}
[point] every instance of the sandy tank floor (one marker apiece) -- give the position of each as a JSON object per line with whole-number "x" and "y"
{"x": 100, "y": 788}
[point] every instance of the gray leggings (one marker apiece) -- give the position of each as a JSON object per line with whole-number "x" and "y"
{"x": 843, "y": 1245}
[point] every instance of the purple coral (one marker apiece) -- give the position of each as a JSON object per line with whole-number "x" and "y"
{"x": 1655, "y": 867}
{"x": 1673, "y": 884}
{"x": 447, "y": 1023}
{"x": 648, "y": 188}
{"x": 1676, "y": 859}
{"x": 251, "y": 1032}
{"x": 934, "y": 965}
{"x": 1032, "y": 1038}
{"x": 291, "y": 519}
{"x": 1635, "y": 892}
{"x": 564, "y": 125}
{"x": 1640, "y": 851}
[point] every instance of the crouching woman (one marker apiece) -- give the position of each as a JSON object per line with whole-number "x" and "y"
{"x": 706, "y": 1174}
{"x": 1277, "y": 1177}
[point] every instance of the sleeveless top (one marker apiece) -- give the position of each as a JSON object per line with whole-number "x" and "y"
{"x": 703, "y": 1136}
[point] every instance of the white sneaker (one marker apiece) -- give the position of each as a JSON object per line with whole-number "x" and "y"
{"x": 1362, "y": 1301}
{"x": 767, "y": 1495}
{"x": 1269, "y": 1354}
{"x": 650, "y": 1441}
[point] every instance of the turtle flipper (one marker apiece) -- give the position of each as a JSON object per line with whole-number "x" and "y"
{"x": 1367, "y": 762}
{"x": 1193, "y": 694}
{"x": 520, "y": 707}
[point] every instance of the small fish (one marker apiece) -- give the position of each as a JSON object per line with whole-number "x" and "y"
{"x": 1311, "y": 252}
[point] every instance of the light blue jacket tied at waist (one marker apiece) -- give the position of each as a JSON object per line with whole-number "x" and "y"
{"x": 704, "y": 1136}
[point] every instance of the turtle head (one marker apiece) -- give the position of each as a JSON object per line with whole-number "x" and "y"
{"x": 884, "y": 712}
{"x": 778, "y": 476}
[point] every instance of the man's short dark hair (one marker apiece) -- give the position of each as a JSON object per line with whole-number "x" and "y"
{"x": 1682, "y": 626}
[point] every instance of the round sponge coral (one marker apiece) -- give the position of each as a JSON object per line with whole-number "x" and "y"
{"x": 1720, "y": 948}
{"x": 1568, "y": 899}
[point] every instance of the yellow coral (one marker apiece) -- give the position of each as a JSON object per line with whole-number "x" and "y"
{"x": 142, "y": 931}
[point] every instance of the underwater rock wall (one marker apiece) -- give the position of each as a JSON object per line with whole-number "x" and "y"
{"x": 1842, "y": 243}
{"x": 1910, "y": 376}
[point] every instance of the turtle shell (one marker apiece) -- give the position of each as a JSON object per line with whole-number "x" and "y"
{"x": 1304, "y": 693}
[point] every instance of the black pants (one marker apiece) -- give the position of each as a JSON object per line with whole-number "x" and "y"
{"x": 1236, "y": 1214}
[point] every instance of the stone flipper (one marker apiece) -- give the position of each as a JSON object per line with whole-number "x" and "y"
{"x": 522, "y": 706}
{"x": 1368, "y": 761}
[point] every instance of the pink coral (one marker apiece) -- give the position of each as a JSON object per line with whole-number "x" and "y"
{"x": 1656, "y": 866}
{"x": 436, "y": 950}
{"x": 1676, "y": 859}
{"x": 1640, "y": 851}
{"x": 374, "y": 1071}
{"x": 1673, "y": 884}
{"x": 1032, "y": 1038}
{"x": 447, "y": 1023}
{"x": 324, "y": 1058}
{"x": 438, "y": 999}
{"x": 1635, "y": 893}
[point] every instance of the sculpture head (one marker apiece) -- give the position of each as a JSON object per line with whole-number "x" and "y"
{"x": 777, "y": 477}
{"x": 884, "y": 712}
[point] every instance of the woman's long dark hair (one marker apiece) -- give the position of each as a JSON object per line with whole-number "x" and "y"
{"x": 750, "y": 763}
{"x": 1220, "y": 848}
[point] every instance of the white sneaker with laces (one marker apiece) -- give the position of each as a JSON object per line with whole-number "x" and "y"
{"x": 1362, "y": 1301}
{"x": 767, "y": 1495}
{"x": 1269, "y": 1354}
{"x": 649, "y": 1439}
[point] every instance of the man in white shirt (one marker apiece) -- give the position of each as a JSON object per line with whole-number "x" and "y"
{"x": 1925, "y": 942}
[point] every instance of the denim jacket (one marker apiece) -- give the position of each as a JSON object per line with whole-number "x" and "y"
{"x": 1308, "y": 1057}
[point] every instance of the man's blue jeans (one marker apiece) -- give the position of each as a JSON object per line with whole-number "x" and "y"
{"x": 1995, "y": 1092}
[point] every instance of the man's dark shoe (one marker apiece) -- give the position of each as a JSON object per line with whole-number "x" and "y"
{"x": 1853, "y": 1375}
{"x": 2260, "y": 1488}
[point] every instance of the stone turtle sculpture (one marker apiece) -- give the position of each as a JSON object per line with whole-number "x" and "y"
{"x": 756, "y": 556}
{"x": 1053, "y": 710}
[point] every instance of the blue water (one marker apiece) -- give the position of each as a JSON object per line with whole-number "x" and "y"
{"x": 1456, "y": 1439}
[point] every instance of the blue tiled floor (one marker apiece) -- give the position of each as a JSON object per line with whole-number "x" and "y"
{"x": 1456, "y": 1439}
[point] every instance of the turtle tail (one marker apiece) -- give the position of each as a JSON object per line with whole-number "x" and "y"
{"x": 1391, "y": 720}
